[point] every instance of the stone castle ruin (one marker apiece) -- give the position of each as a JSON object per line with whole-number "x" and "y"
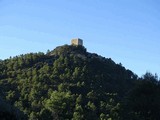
{"x": 77, "y": 41}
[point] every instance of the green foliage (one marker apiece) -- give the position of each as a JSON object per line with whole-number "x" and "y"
{"x": 78, "y": 113}
{"x": 70, "y": 83}
{"x": 142, "y": 102}
{"x": 60, "y": 104}
{"x": 8, "y": 112}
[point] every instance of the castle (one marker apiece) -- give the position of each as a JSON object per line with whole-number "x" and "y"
{"x": 77, "y": 41}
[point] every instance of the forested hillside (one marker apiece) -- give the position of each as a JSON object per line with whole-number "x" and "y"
{"x": 69, "y": 83}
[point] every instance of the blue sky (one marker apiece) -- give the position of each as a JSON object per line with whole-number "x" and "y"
{"x": 128, "y": 31}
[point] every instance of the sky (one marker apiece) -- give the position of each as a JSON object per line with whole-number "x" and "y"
{"x": 127, "y": 31}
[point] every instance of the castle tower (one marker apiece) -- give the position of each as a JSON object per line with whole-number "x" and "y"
{"x": 77, "y": 41}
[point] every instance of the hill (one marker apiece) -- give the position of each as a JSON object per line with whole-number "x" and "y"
{"x": 71, "y": 83}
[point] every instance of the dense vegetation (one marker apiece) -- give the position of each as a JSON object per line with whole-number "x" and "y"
{"x": 70, "y": 83}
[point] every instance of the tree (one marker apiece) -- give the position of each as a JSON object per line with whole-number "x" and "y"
{"x": 60, "y": 104}
{"x": 142, "y": 102}
{"x": 78, "y": 113}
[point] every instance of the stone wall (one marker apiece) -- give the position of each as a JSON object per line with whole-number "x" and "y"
{"x": 77, "y": 41}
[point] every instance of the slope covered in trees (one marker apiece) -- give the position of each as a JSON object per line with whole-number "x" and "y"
{"x": 70, "y": 83}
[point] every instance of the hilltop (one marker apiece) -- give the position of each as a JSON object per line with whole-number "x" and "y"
{"x": 71, "y": 83}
